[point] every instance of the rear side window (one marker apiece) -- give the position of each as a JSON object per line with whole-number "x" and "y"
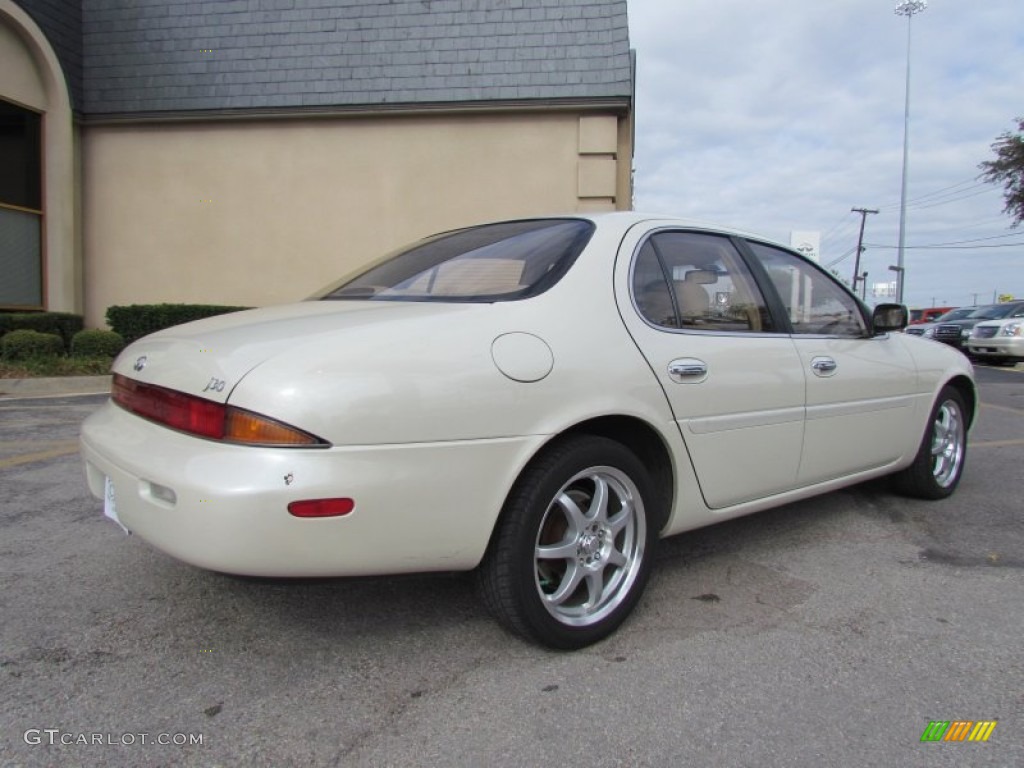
{"x": 696, "y": 281}
{"x": 494, "y": 262}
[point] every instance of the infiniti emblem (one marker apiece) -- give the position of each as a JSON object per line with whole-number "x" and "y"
{"x": 140, "y": 363}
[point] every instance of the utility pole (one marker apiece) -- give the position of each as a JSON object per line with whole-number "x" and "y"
{"x": 860, "y": 242}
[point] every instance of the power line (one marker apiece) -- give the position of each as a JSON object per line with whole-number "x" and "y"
{"x": 972, "y": 180}
{"x": 956, "y": 197}
{"x": 947, "y": 247}
{"x": 975, "y": 240}
{"x": 843, "y": 234}
{"x": 923, "y": 206}
{"x": 944, "y": 192}
{"x": 841, "y": 258}
{"x": 836, "y": 226}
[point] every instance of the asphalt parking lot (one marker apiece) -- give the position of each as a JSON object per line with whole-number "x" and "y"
{"x": 825, "y": 633}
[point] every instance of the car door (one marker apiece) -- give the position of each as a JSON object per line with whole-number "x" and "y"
{"x": 734, "y": 382}
{"x": 860, "y": 387}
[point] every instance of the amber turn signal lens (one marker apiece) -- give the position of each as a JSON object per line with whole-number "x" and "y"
{"x": 253, "y": 429}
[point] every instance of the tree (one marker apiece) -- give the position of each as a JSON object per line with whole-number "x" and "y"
{"x": 1008, "y": 169}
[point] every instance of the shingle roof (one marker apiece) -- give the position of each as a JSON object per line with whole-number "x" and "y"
{"x": 184, "y": 55}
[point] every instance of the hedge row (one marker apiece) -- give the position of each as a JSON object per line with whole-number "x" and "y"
{"x": 25, "y": 345}
{"x": 62, "y": 324}
{"x": 137, "y": 320}
{"x": 94, "y": 343}
{"x": 28, "y": 334}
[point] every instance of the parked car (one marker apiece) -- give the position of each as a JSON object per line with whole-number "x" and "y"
{"x": 956, "y": 332}
{"x": 918, "y": 316}
{"x": 922, "y": 329}
{"x": 999, "y": 341}
{"x": 538, "y": 400}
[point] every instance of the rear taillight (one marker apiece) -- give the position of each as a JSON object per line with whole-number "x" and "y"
{"x": 173, "y": 409}
{"x": 204, "y": 418}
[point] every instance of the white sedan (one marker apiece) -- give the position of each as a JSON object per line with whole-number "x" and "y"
{"x": 538, "y": 400}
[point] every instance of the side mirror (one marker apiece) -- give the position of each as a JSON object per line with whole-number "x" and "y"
{"x": 889, "y": 317}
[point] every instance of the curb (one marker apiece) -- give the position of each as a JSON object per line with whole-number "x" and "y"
{"x": 55, "y": 387}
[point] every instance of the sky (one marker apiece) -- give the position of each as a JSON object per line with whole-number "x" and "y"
{"x": 779, "y": 115}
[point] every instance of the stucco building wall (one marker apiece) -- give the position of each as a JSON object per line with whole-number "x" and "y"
{"x": 262, "y": 212}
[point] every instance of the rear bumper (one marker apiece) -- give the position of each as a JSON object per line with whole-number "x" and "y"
{"x": 419, "y": 507}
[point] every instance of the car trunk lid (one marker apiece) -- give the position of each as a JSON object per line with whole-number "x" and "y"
{"x": 209, "y": 357}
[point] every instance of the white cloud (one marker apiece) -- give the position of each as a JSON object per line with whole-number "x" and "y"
{"x": 775, "y": 115}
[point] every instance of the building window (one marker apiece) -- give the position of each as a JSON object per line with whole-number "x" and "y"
{"x": 21, "y": 208}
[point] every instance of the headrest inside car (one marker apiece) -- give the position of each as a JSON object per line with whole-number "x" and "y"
{"x": 701, "y": 276}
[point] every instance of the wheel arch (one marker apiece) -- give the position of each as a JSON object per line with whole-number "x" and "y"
{"x": 510, "y": 587}
{"x": 636, "y": 434}
{"x": 646, "y": 443}
{"x": 969, "y": 392}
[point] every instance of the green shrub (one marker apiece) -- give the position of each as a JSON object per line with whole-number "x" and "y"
{"x": 96, "y": 344}
{"x": 63, "y": 324}
{"x": 22, "y": 345}
{"x": 138, "y": 320}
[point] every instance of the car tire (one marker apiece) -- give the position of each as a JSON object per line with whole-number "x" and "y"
{"x": 939, "y": 463}
{"x": 573, "y": 548}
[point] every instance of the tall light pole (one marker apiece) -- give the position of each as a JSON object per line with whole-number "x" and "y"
{"x": 905, "y": 8}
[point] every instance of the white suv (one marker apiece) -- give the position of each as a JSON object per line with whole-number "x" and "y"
{"x": 999, "y": 341}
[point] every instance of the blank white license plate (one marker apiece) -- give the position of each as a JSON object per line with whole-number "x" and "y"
{"x": 110, "y": 502}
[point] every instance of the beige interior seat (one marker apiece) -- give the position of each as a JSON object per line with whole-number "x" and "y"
{"x": 693, "y": 299}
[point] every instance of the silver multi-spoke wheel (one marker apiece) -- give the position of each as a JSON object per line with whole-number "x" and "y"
{"x": 939, "y": 463}
{"x": 948, "y": 440}
{"x": 572, "y": 550}
{"x": 590, "y": 545}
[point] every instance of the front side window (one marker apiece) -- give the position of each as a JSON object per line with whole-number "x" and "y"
{"x": 494, "y": 262}
{"x": 696, "y": 281}
{"x": 815, "y": 303}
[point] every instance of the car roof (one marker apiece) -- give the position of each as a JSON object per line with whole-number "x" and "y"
{"x": 628, "y": 219}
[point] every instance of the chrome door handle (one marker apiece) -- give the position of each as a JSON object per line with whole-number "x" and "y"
{"x": 823, "y": 366}
{"x": 687, "y": 369}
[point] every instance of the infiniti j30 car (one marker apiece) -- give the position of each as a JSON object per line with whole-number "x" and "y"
{"x": 538, "y": 401}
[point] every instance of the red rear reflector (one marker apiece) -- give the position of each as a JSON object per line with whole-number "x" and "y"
{"x": 322, "y": 507}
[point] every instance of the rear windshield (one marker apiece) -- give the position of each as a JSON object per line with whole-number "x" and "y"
{"x": 493, "y": 262}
